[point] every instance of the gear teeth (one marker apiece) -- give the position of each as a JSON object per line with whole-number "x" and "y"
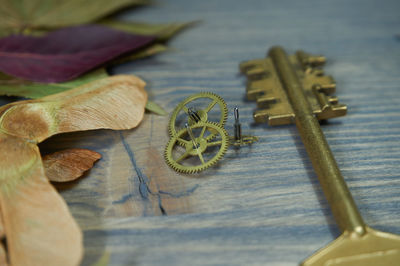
{"x": 224, "y": 110}
{"x": 166, "y": 154}
{"x": 194, "y": 169}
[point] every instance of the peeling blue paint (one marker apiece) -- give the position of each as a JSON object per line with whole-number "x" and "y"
{"x": 144, "y": 189}
{"x": 181, "y": 194}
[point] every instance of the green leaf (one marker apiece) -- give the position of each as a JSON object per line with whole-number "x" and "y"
{"x": 163, "y": 31}
{"x": 146, "y": 52}
{"x": 12, "y": 86}
{"x": 155, "y": 108}
{"x": 104, "y": 260}
{"x": 23, "y": 15}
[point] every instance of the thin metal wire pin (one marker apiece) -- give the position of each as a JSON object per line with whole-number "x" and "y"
{"x": 189, "y": 130}
{"x": 237, "y": 126}
{"x": 194, "y": 115}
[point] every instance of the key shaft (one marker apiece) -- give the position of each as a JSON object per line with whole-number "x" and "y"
{"x": 335, "y": 189}
{"x": 293, "y": 89}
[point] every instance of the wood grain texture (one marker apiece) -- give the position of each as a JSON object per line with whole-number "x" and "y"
{"x": 262, "y": 205}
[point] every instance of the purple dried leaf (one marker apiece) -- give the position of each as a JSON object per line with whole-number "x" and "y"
{"x": 65, "y": 54}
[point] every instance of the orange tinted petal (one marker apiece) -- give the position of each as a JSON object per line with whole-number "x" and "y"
{"x": 70, "y": 164}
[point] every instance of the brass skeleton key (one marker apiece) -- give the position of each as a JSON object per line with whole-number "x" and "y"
{"x": 294, "y": 89}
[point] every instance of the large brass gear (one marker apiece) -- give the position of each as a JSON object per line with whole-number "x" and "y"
{"x": 200, "y": 114}
{"x": 212, "y": 138}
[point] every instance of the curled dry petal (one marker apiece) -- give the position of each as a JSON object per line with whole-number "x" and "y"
{"x": 38, "y": 226}
{"x": 115, "y": 102}
{"x": 70, "y": 164}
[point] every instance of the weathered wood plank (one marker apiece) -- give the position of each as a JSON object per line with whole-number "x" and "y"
{"x": 262, "y": 205}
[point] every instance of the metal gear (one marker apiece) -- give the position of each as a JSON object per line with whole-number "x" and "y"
{"x": 212, "y": 143}
{"x": 200, "y": 115}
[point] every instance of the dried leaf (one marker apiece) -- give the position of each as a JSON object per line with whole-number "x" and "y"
{"x": 163, "y": 31}
{"x": 155, "y": 108}
{"x": 38, "y": 226}
{"x": 115, "y": 102}
{"x": 68, "y": 165}
{"x": 143, "y": 53}
{"x": 12, "y": 86}
{"x": 20, "y": 15}
{"x": 65, "y": 54}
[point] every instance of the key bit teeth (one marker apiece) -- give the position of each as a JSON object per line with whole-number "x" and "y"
{"x": 339, "y": 109}
{"x": 308, "y": 60}
{"x": 266, "y": 100}
{"x": 261, "y": 116}
{"x": 328, "y": 88}
{"x": 266, "y": 88}
{"x": 252, "y": 87}
{"x": 257, "y": 73}
{"x": 315, "y": 61}
{"x": 327, "y": 83}
{"x": 265, "y": 116}
{"x": 331, "y": 111}
{"x": 246, "y": 66}
{"x": 318, "y": 72}
{"x": 327, "y": 106}
{"x": 254, "y": 92}
{"x": 324, "y": 85}
{"x": 333, "y": 100}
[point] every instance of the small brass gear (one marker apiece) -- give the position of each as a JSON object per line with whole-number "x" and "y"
{"x": 212, "y": 142}
{"x": 199, "y": 115}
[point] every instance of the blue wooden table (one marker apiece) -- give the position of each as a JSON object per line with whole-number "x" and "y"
{"x": 262, "y": 205}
